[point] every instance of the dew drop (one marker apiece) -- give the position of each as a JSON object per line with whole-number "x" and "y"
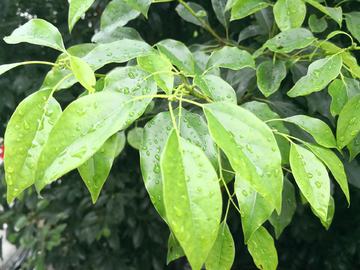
{"x": 79, "y": 153}
{"x": 156, "y": 168}
{"x": 244, "y": 192}
{"x": 317, "y": 183}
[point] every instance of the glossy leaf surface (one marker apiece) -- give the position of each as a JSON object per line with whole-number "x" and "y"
{"x": 334, "y": 164}
{"x": 262, "y": 249}
{"x": 255, "y": 210}
{"x": 25, "y": 136}
{"x": 319, "y": 75}
{"x": 134, "y": 137}
{"x": 288, "y": 207}
{"x": 83, "y": 73}
{"x": 287, "y": 41}
{"x": 39, "y": 32}
{"x": 192, "y": 197}
{"x": 140, "y": 5}
{"x": 334, "y": 13}
{"x": 187, "y": 16}
{"x": 245, "y": 139}
{"x": 222, "y": 15}
{"x": 317, "y": 25}
{"x": 352, "y": 23}
{"x": 81, "y": 130}
{"x": 243, "y": 8}
{"x": 222, "y": 254}
{"x": 216, "y": 88}
{"x": 269, "y": 76}
{"x": 338, "y": 90}
{"x": 76, "y": 9}
{"x": 354, "y": 147}
{"x": 175, "y": 251}
{"x": 289, "y": 14}
{"x": 311, "y": 177}
{"x": 330, "y": 214}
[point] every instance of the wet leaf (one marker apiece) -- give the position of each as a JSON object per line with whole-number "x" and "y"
{"x": 311, "y": 177}
{"x": 288, "y": 207}
{"x": 334, "y": 13}
{"x": 192, "y": 197}
{"x": 25, "y": 136}
{"x": 175, "y": 251}
{"x": 76, "y": 9}
{"x": 187, "y": 16}
{"x": 251, "y": 31}
{"x": 244, "y": 8}
{"x": 354, "y": 147}
{"x": 289, "y": 14}
{"x": 319, "y": 75}
{"x": 352, "y": 22}
{"x": 140, "y": 5}
{"x": 39, "y": 32}
{"x": 222, "y": 254}
{"x": 269, "y": 76}
{"x": 317, "y": 25}
{"x": 262, "y": 249}
{"x": 81, "y": 130}
{"x": 83, "y": 73}
{"x": 250, "y": 146}
{"x": 255, "y": 210}
{"x": 134, "y": 137}
{"x": 222, "y": 15}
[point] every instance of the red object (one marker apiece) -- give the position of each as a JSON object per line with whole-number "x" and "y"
{"x": 1, "y": 154}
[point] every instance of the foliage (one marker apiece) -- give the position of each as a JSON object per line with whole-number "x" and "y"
{"x": 232, "y": 124}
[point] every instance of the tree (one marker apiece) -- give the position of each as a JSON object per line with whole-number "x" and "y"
{"x": 215, "y": 143}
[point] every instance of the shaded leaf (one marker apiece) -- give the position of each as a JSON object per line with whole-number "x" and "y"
{"x": 76, "y": 9}
{"x": 108, "y": 35}
{"x": 175, "y": 251}
{"x": 187, "y": 16}
{"x": 222, "y": 15}
{"x": 354, "y": 147}
{"x": 134, "y": 137}
{"x": 140, "y": 5}
{"x": 317, "y": 25}
{"x": 243, "y": 8}
{"x": 270, "y": 75}
{"x": 352, "y": 22}
{"x": 289, "y": 14}
{"x": 330, "y": 215}
{"x": 251, "y": 31}
{"x": 334, "y": 13}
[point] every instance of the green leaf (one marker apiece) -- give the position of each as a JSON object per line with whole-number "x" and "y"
{"x": 232, "y": 58}
{"x": 334, "y": 13}
{"x": 262, "y": 249}
{"x": 288, "y": 207}
{"x": 111, "y": 34}
{"x": 352, "y": 21}
{"x": 338, "y": 91}
{"x": 354, "y": 147}
{"x": 287, "y": 41}
{"x": 216, "y": 88}
{"x": 120, "y": 145}
{"x": 230, "y": 4}
{"x": 81, "y": 130}
{"x": 192, "y": 128}
{"x": 130, "y": 81}
{"x": 134, "y": 137}
{"x": 255, "y": 210}
{"x": 317, "y": 25}
{"x": 25, "y": 136}
{"x": 263, "y": 112}
{"x": 222, "y": 15}
{"x": 330, "y": 214}
{"x": 265, "y": 18}
{"x": 320, "y": 131}
{"x": 157, "y": 63}
{"x": 269, "y": 76}
{"x": 348, "y": 124}
{"x": 76, "y": 9}
{"x": 319, "y": 75}
{"x": 187, "y": 16}
{"x": 250, "y": 146}
{"x": 83, "y": 73}
{"x": 289, "y": 14}
{"x": 193, "y": 208}
{"x": 178, "y": 54}
{"x": 175, "y": 251}
{"x": 334, "y": 164}
{"x": 140, "y": 5}
{"x": 95, "y": 170}
{"x": 244, "y": 8}
{"x": 222, "y": 254}
{"x": 251, "y": 31}
{"x": 311, "y": 177}
{"x": 39, "y": 32}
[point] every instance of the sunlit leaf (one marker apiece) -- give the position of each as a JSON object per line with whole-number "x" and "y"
{"x": 289, "y": 14}
{"x": 317, "y": 25}
{"x": 243, "y": 8}
{"x": 330, "y": 215}
{"x": 83, "y": 73}
{"x": 175, "y": 251}
{"x": 270, "y": 75}
{"x": 25, "y": 136}
{"x": 134, "y": 137}
{"x": 76, "y": 9}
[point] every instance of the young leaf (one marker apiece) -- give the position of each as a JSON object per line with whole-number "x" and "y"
{"x": 334, "y": 164}
{"x": 175, "y": 251}
{"x": 348, "y": 123}
{"x": 140, "y": 5}
{"x": 155, "y": 63}
{"x": 318, "y": 129}
{"x": 250, "y": 146}
{"x": 216, "y": 88}
{"x": 83, "y": 73}
{"x": 288, "y": 207}
{"x": 255, "y": 210}
{"x": 39, "y": 32}
{"x": 95, "y": 170}
{"x": 352, "y": 21}
{"x": 317, "y": 25}
{"x": 222, "y": 254}
{"x": 244, "y": 8}
{"x": 192, "y": 197}
{"x": 178, "y": 54}
{"x": 76, "y": 9}
{"x": 289, "y": 14}
{"x": 192, "y": 128}
{"x": 187, "y": 16}
{"x": 334, "y": 13}
{"x": 134, "y": 137}
{"x": 81, "y": 130}
{"x": 320, "y": 74}
{"x": 262, "y": 249}
{"x": 311, "y": 177}
{"x": 222, "y": 15}
{"x": 232, "y": 58}
{"x": 26, "y": 133}
{"x": 287, "y": 41}
{"x": 269, "y": 76}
